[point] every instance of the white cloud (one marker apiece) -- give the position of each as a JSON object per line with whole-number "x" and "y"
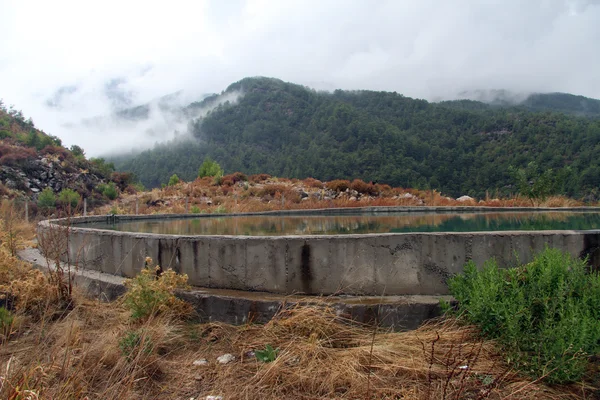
{"x": 421, "y": 48}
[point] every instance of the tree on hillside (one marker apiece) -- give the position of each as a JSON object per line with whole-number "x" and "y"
{"x": 210, "y": 168}
{"x": 173, "y": 180}
{"x": 533, "y": 183}
{"x": 77, "y": 151}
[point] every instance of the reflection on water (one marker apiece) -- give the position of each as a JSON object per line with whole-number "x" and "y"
{"x": 264, "y": 225}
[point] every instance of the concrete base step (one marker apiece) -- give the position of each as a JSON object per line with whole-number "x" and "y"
{"x": 241, "y": 307}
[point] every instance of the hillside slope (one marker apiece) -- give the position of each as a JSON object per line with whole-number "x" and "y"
{"x": 31, "y": 160}
{"x": 565, "y": 103}
{"x": 289, "y": 130}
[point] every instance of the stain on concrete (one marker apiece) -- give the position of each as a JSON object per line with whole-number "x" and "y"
{"x": 195, "y": 254}
{"x": 591, "y": 250}
{"x": 406, "y": 246}
{"x": 435, "y": 269}
{"x": 177, "y": 266}
{"x": 305, "y": 269}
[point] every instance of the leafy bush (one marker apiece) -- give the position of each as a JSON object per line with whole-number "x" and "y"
{"x": 58, "y": 151}
{"x": 102, "y": 167}
{"x": 68, "y": 197}
{"x": 151, "y": 294}
{"x": 13, "y": 155}
{"x": 533, "y": 183}
{"x": 234, "y": 178}
{"x": 364, "y": 188}
{"x": 273, "y": 189}
{"x": 109, "y": 190}
{"x": 195, "y": 210}
{"x": 313, "y": 183}
{"x": 546, "y": 313}
{"x": 46, "y": 199}
{"x": 173, "y": 180}
{"x": 338, "y": 185}
{"x": 258, "y": 178}
{"x": 122, "y": 179}
{"x": 210, "y": 168}
{"x": 134, "y": 343}
{"x": 77, "y": 151}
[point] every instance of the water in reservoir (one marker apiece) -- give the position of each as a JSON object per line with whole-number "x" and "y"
{"x": 278, "y": 225}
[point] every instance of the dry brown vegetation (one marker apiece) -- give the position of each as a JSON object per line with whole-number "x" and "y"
{"x": 83, "y": 349}
{"x": 238, "y": 193}
{"x": 320, "y": 356}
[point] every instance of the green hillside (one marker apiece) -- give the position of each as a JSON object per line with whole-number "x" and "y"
{"x": 459, "y": 148}
{"x": 563, "y": 102}
{"x": 32, "y": 161}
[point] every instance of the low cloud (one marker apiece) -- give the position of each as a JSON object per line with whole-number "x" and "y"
{"x": 138, "y": 128}
{"x": 70, "y": 61}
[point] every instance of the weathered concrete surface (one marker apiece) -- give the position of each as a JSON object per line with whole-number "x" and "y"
{"x": 94, "y": 284}
{"x": 372, "y": 264}
{"x": 239, "y": 307}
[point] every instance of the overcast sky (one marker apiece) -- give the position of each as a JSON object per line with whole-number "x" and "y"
{"x": 62, "y": 61}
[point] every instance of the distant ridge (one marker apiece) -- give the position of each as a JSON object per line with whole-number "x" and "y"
{"x": 556, "y": 102}
{"x": 458, "y": 147}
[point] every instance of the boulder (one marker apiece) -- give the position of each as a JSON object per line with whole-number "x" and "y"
{"x": 463, "y": 199}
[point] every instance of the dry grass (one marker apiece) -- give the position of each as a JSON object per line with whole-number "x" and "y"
{"x": 324, "y": 356}
{"x": 265, "y": 193}
{"x": 54, "y": 350}
{"x": 560, "y": 201}
{"x": 321, "y": 356}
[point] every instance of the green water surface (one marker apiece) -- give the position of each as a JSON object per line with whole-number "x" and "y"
{"x": 272, "y": 225}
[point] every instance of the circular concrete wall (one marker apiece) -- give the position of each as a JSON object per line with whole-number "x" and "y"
{"x": 370, "y": 264}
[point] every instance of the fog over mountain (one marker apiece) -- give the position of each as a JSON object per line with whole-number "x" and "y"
{"x": 74, "y": 66}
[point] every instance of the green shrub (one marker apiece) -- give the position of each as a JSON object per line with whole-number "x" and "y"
{"x": 546, "y": 314}
{"x": 102, "y": 167}
{"x": 195, "y": 210}
{"x": 210, "y": 168}
{"x": 68, "y": 197}
{"x": 77, "y": 151}
{"x": 109, "y": 190}
{"x": 173, "y": 180}
{"x": 46, "y": 199}
{"x": 133, "y": 343}
{"x": 149, "y": 294}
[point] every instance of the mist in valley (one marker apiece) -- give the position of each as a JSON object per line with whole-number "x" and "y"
{"x": 85, "y": 83}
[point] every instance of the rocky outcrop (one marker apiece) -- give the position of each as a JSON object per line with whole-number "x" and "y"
{"x": 35, "y": 174}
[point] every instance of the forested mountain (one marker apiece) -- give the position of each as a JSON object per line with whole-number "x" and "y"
{"x": 558, "y": 102}
{"x": 458, "y": 147}
{"x": 563, "y": 102}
